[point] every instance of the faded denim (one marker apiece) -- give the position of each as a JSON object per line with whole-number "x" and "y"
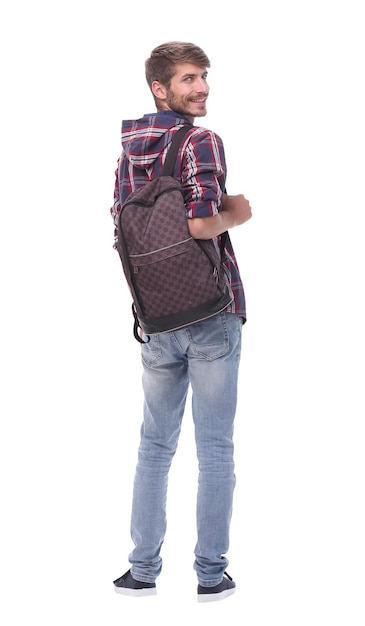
{"x": 205, "y": 355}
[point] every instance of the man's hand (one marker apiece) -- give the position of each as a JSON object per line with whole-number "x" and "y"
{"x": 238, "y": 208}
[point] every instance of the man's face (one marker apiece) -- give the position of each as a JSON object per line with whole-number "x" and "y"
{"x": 188, "y": 91}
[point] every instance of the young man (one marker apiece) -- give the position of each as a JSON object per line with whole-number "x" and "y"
{"x": 204, "y": 355}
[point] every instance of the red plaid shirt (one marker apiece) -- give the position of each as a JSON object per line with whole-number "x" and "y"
{"x": 200, "y": 167}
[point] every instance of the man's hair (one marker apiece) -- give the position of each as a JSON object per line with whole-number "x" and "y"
{"x": 161, "y": 64}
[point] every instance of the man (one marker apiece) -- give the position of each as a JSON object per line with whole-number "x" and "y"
{"x": 204, "y": 355}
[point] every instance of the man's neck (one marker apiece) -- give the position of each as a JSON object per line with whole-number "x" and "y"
{"x": 188, "y": 117}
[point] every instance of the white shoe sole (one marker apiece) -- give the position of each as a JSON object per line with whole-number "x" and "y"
{"x": 125, "y": 591}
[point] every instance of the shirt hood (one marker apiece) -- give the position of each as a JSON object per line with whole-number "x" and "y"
{"x": 143, "y": 140}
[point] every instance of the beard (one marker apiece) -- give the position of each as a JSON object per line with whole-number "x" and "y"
{"x": 185, "y": 107}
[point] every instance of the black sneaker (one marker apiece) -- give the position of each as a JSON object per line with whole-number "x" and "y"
{"x": 128, "y": 586}
{"x": 224, "y": 589}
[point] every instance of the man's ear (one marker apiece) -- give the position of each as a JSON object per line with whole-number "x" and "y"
{"x": 158, "y": 90}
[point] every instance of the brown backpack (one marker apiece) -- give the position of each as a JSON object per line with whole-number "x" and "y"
{"x": 174, "y": 280}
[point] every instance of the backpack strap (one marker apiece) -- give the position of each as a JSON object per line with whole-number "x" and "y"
{"x": 223, "y": 241}
{"x": 169, "y": 165}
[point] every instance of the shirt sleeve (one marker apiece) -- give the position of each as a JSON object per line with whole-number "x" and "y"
{"x": 203, "y": 174}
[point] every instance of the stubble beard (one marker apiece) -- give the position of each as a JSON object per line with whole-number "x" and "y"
{"x": 181, "y": 107}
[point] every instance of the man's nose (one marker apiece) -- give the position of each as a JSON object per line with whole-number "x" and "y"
{"x": 202, "y": 86}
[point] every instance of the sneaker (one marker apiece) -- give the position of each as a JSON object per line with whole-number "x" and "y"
{"x": 128, "y": 586}
{"x": 224, "y": 589}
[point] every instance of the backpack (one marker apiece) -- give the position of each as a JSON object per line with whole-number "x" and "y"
{"x": 174, "y": 280}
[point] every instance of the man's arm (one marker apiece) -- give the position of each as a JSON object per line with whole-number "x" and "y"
{"x": 235, "y": 210}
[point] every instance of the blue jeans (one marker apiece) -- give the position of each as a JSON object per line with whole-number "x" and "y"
{"x": 205, "y": 355}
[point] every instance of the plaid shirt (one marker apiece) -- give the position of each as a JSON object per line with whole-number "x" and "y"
{"x": 200, "y": 167}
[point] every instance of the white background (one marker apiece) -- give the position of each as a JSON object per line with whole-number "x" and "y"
{"x": 287, "y": 82}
